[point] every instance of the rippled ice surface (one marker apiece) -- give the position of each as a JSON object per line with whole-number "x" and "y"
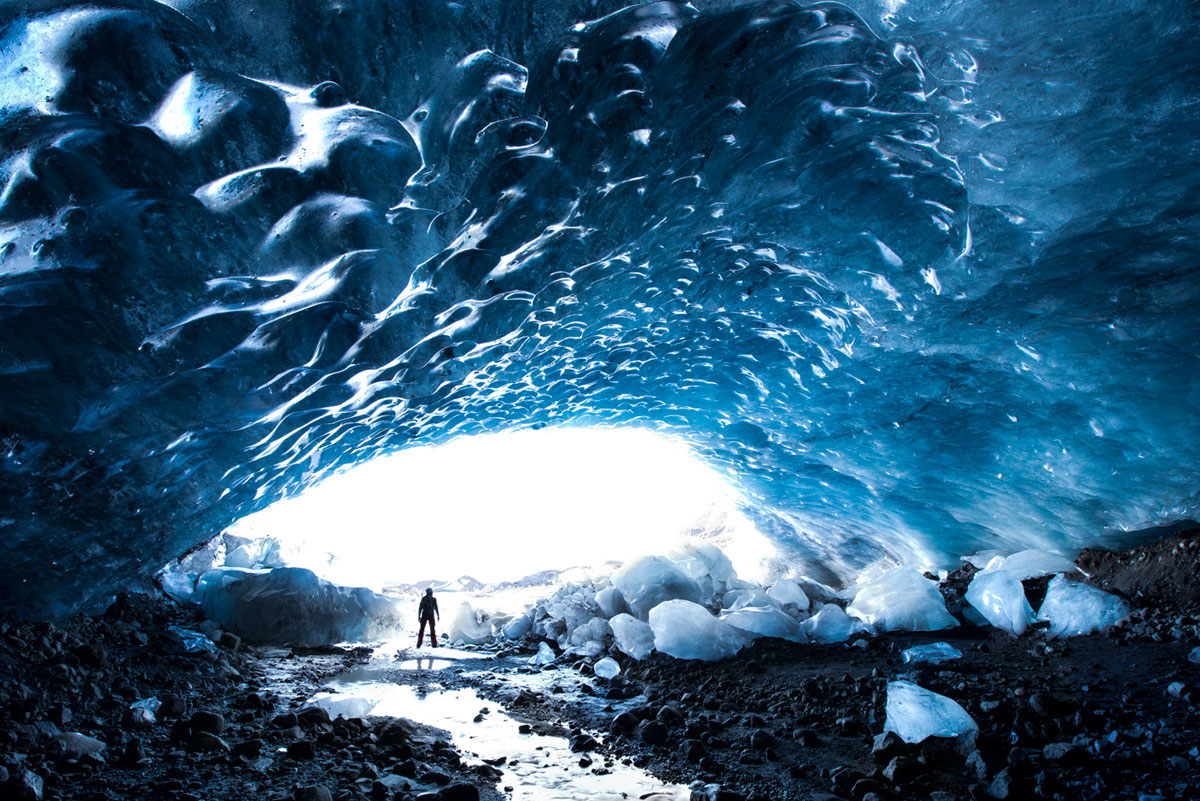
{"x": 539, "y": 768}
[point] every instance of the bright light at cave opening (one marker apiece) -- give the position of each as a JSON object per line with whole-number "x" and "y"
{"x": 499, "y": 507}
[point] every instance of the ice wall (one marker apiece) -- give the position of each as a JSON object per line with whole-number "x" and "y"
{"x": 921, "y": 276}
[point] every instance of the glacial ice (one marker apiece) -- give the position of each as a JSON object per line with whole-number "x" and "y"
{"x": 610, "y": 602}
{"x": 787, "y": 591}
{"x": 292, "y": 606}
{"x": 739, "y": 599}
{"x": 999, "y": 597}
{"x": 597, "y": 630}
{"x": 1072, "y": 609}
{"x": 1031, "y": 564}
{"x": 831, "y": 624}
{"x": 916, "y": 714}
{"x": 606, "y": 668}
{"x": 633, "y": 637}
{"x": 469, "y": 625}
{"x": 901, "y": 599}
{"x": 648, "y": 581}
{"x": 821, "y": 266}
{"x": 345, "y": 706}
{"x": 686, "y": 630}
{"x": 544, "y": 656}
{"x": 932, "y": 653}
{"x": 517, "y": 628}
{"x": 765, "y": 621}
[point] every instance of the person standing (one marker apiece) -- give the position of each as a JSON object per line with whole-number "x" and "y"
{"x": 426, "y": 612}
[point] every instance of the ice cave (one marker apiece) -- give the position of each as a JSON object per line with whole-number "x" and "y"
{"x": 833, "y": 368}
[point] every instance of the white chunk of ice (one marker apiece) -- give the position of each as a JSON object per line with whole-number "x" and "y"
{"x": 1032, "y": 564}
{"x": 901, "y": 599}
{"x": 470, "y": 625}
{"x": 933, "y": 653}
{"x": 178, "y": 586}
{"x": 765, "y": 621}
{"x": 1000, "y": 598}
{"x": 76, "y": 745}
{"x": 606, "y": 668}
{"x": 346, "y": 706}
{"x": 687, "y": 630}
{"x": 787, "y": 591}
{"x": 544, "y": 656}
{"x": 916, "y": 714}
{"x": 646, "y": 582}
{"x": 831, "y": 624}
{"x": 517, "y": 628}
{"x": 1073, "y": 609}
{"x": 740, "y": 599}
{"x": 633, "y": 637}
{"x": 699, "y": 559}
{"x": 596, "y": 630}
{"x": 611, "y": 602}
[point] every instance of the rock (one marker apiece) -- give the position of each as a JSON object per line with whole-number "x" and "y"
{"x": 26, "y": 786}
{"x": 1194, "y": 655}
{"x": 248, "y": 748}
{"x": 75, "y": 745}
{"x": 761, "y": 740}
{"x": 1066, "y": 754}
{"x": 623, "y": 723}
{"x": 230, "y": 641}
{"x": 888, "y": 745}
{"x": 584, "y": 742}
{"x": 285, "y": 720}
{"x": 436, "y": 777}
{"x": 900, "y": 770}
{"x": 459, "y": 792}
{"x": 312, "y": 716}
{"x": 302, "y": 749}
{"x": 206, "y": 741}
{"x": 134, "y": 753}
{"x": 173, "y": 706}
{"x": 653, "y": 732}
{"x": 209, "y": 722}
{"x": 1049, "y": 706}
{"x": 313, "y": 792}
{"x": 1007, "y": 785}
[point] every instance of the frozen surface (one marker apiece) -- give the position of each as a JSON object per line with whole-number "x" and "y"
{"x": 916, "y": 288}
{"x": 632, "y": 636}
{"x": 999, "y": 597}
{"x": 901, "y": 599}
{"x": 932, "y": 653}
{"x": 831, "y": 624}
{"x": 765, "y": 621}
{"x": 469, "y": 625}
{"x": 916, "y": 714}
{"x": 686, "y": 630}
{"x": 646, "y": 582}
{"x": 1072, "y": 609}
{"x": 1029, "y": 564}
{"x": 291, "y": 605}
{"x": 788, "y": 591}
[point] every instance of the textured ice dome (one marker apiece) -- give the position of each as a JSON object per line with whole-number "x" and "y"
{"x": 920, "y": 277}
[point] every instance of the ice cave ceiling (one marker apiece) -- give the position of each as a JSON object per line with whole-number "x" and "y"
{"x": 922, "y": 277}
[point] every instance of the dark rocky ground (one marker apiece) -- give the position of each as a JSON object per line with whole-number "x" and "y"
{"x": 1107, "y": 716}
{"x": 229, "y": 727}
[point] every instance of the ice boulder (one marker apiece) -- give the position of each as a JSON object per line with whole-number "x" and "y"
{"x": 831, "y": 624}
{"x": 916, "y": 714}
{"x": 646, "y": 582}
{"x": 518, "y": 628}
{"x": 765, "y": 621}
{"x": 1032, "y": 564}
{"x": 932, "y": 653}
{"x": 633, "y": 637}
{"x": 596, "y": 630}
{"x": 345, "y": 706}
{"x": 901, "y": 599}
{"x": 699, "y": 559}
{"x": 606, "y": 668}
{"x": 739, "y": 599}
{"x": 544, "y": 656}
{"x": 470, "y": 625}
{"x": 293, "y": 606}
{"x": 1072, "y": 609}
{"x": 787, "y": 591}
{"x": 686, "y": 630}
{"x": 178, "y": 586}
{"x": 611, "y": 602}
{"x": 1000, "y": 598}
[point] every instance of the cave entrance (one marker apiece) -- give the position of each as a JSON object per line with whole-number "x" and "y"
{"x": 501, "y": 507}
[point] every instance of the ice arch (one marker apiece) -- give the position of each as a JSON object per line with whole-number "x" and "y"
{"x": 922, "y": 276}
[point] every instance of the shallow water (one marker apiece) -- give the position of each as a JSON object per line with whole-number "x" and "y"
{"x": 538, "y": 767}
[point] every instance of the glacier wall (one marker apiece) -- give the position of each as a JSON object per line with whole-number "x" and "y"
{"x": 922, "y": 277}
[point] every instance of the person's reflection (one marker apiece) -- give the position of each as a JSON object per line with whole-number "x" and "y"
{"x": 424, "y": 663}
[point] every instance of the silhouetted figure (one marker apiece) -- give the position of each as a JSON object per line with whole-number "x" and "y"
{"x": 426, "y": 612}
